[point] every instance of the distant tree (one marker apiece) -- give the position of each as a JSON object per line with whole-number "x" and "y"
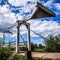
{"x": 52, "y": 44}
{"x": 9, "y": 43}
{"x": 1, "y": 41}
{"x": 33, "y": 46}
{"x": 40, "y": 46}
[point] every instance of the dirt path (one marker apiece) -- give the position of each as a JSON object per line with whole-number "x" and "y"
{"x": 45, "y": 55}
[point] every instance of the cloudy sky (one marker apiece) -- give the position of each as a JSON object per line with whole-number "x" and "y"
{"x": 13, "y": 10}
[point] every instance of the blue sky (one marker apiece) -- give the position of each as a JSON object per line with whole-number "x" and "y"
{"x": 12, "y": 10}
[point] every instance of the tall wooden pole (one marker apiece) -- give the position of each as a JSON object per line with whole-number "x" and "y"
{"x": 17, "y": 37}
{"x": 28, "y": 41}
{"x": 28, "y": 52}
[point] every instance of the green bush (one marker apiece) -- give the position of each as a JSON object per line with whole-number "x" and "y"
{"x": 23, "y": 48}
{"x": 4, "y": 53}
{"x": 18, "y": 57}
{"x": 52, "y": 44}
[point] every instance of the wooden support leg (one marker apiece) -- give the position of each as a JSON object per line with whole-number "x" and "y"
{"x": 17, "y": 38}
{"x": 28, "y": 42}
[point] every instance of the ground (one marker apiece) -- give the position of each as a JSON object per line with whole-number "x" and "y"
{"x": 45, "y": 55}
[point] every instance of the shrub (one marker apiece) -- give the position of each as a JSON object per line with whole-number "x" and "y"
{"x": 4, "y": 53}
{"x": 18, "y": 57}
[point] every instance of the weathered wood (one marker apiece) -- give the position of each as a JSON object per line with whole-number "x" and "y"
{"x": 41, "y": 11}
{"x": 17, "y": 37}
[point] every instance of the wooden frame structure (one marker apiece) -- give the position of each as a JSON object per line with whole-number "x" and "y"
{"x": 40, "y": 11}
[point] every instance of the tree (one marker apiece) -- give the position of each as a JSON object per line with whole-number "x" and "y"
{"x": 52, "y": 44}
{"x": 1, "y": 41}
{"x": 40, "y": 46}
{"x": 33, "y": 46}
{"x": 9, "y": 43}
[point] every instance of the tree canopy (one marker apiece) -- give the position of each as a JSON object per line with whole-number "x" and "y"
{"x": 52, "y": 44}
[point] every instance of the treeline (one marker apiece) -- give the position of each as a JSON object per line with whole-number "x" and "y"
{"x": 52, "y": 44}
{"x": 35, "y": 47}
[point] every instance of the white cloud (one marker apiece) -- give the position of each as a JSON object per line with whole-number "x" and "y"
{"x": 45, "y": 28}
{"x": 1, "y": 35}
{"x": 57, "y": 6}
{"x": 17, "y": 2}
{"x": 6, "y": 17}
{"x": 4, "y": 8}
{"x": 49, "y": 3}
{"x": 20, "y": 2}
{"x": 6, "y": 14}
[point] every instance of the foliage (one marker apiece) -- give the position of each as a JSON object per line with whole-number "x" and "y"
{"x": 9, "y": 43}
{"x": 13, "y": 48}
{"x": 1, "y": 41}
{"x": 4, "y": 53}
{"x": 33, "y": 46}
{"x": 18, "y": 57}
{"x": 41, "y": 46}
{"x": 39, "y": 50}
{"x": 23, "y": 48}
{"x": 52, "y": 44}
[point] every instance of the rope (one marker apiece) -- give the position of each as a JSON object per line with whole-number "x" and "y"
{"x": 23, "y": 39}
{"x": 38, "y": 34}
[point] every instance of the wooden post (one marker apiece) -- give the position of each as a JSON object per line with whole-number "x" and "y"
{"x": 17, "y": 38}
{"x": 28, "y": 42}
{"x": 28, "y": 39}
{"x": 28, "y": 52}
